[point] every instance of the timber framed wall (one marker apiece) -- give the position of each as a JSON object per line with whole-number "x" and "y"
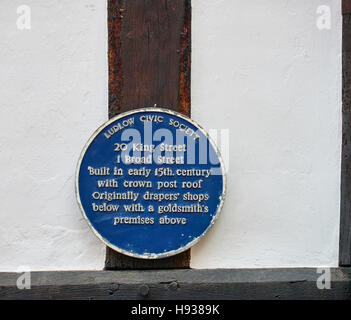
{"x": 292, "y": 283}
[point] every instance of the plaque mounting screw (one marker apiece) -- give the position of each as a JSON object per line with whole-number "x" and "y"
{"x": 144, "y": 290}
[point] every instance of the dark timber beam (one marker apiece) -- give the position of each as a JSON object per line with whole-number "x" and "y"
{"x": 346, "y": 6}
{"x": 245, "y": 284}
{"x": 149, "y": 50}
{"x": 149, "y": 54}
{"x": 345, "y": 203}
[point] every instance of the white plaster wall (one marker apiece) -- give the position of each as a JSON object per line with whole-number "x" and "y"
{"x": 261, "y": 69}
{"x": 264, "y": 70}
{"x": 53, "y": 95}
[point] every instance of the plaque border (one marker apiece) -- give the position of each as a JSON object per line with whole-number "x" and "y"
{"x": 152, "y": 256}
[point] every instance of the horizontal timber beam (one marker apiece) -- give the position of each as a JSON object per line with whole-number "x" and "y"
{"x": 218, "y": 284}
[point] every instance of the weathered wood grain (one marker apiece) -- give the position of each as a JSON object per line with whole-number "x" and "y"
{"x": 244, "y": 284}
{"x": 345, "y": 205}
{"x": 118, "y": 261}
{"x": 346, "y": 6}
{"x": 149, "y": 54}
{"x": 149, "y": 51}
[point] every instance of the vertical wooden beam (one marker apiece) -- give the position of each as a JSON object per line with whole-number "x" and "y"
{"x": 345, "y": 204}
{"x": 149, "y": 54}
{"x": 346, "y": 6}
{"x": 149, "y": 43}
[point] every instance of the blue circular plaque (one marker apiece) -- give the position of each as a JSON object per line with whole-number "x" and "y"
{"x": 150, "y": 183}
